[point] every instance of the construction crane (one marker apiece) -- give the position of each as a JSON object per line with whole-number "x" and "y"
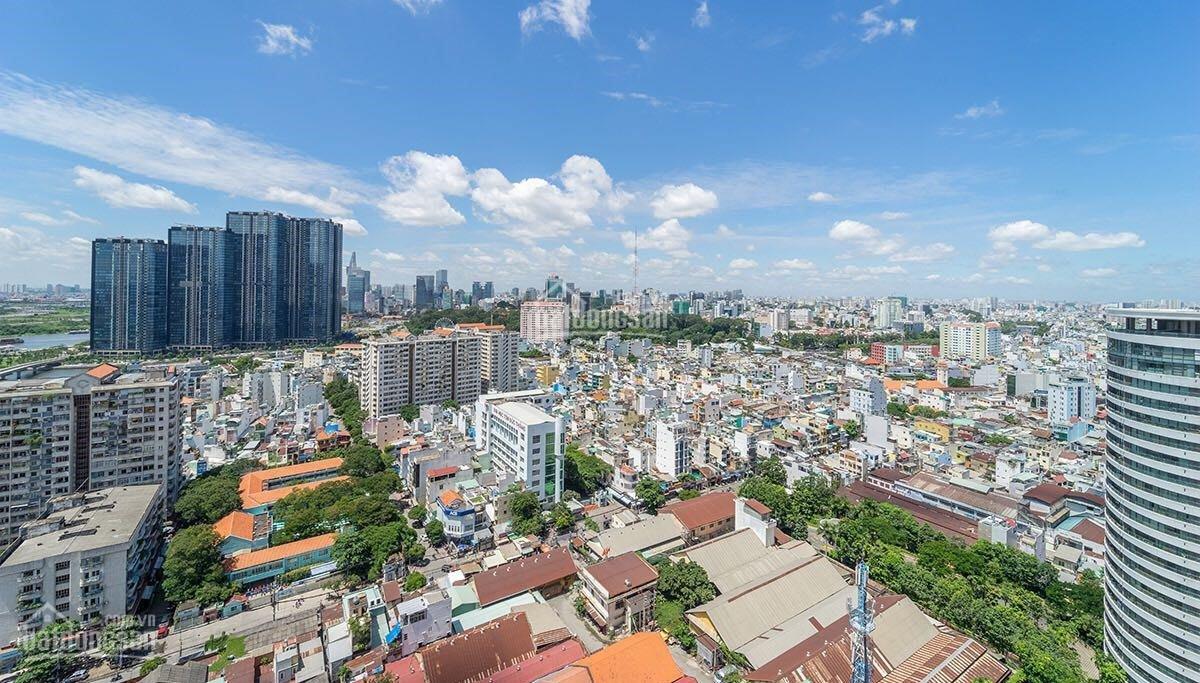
{"x": 862, "y": 622}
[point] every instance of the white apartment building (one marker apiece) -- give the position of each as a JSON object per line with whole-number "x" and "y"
{"x": 1071, "y": 398}
{"x": 73, "y": 428}
{"x": 887, "y": 311}
{"x": 36, "y": 451}
{"x": 779, "y": 319}
{"x": 670, "y": 448}
{"x": 498, "y": 350}
{"x": 544, "y": 321}
{"x": 870, "y": 398}
{"x": 542, "y": 399}
{"x": 527, "y": 442}
{"x": 419, "y": 370}
{"x": 89, "y": 559}
{"x": 971, "y": 341}
{"x": 133, "y": 427}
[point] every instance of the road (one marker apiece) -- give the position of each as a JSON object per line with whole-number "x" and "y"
{"x": 245, "y": 622}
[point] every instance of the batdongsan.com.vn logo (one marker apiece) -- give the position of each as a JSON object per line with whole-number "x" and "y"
{"x": 595, "y": 323}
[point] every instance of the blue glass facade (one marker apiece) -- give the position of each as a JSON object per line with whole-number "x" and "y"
{"x": 202, "y": 279}
{"x": 129, "y": 295}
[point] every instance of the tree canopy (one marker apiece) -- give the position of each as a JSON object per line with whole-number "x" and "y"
{"x": 584, "y": 474}
{"x": 649, "y": 494}
{"x": 193, "y": 569}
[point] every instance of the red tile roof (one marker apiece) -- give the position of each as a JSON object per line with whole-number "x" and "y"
{"x": 640, "y": 658}
{"x": 279, "y": 552}
{"x": 541, "y": 664}
{"x": 707, "y": 509}
{"x": 529, "y": 574}
{"x": 479, "y": 653}
{"x": 621, "y": 574}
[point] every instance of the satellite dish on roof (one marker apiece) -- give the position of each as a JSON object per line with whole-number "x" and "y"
{"x": 444, "y": 322}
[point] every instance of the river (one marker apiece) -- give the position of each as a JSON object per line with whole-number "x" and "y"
{"x": 41, "y": 341}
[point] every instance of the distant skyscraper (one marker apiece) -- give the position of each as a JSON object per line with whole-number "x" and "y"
{"x": 129, "y": 295}
{"x": 423, "y": 292}
{"x": 554, "y": 288}
{"x": 440, "y": 279}
{"x": 489, "y": 291}
{"x": 202, "y": 287}
{"x": 313, "y": 280}
{"x": 262, "y": 268}
{"x": 358, "y": 283}
{"x": 1152, "y": 481}
{"x": 290, "y": 277}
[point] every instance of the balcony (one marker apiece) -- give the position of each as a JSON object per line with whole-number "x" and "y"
{"x": 91, "y": 579}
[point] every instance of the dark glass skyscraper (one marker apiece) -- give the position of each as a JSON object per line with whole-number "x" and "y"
{"x": 262, "y": 269}
{"x": 358, "y": 283}
{"x": 129, "y": 295}
{"x": 203, "y": 287}
{"x": 312, "y": 296}
{"x": 290, "y": 277}
{"x": 423, "y": 292}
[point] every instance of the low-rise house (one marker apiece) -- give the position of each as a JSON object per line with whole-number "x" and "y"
{"x": 268, "y": 563}
{"x": 550, "y": 573}
{"x": 619, "y": 593}
{"x": 705, "y": 517}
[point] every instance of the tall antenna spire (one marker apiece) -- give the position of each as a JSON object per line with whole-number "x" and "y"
{"x": 862, "y": 622}
{"x": 637, "y": 295}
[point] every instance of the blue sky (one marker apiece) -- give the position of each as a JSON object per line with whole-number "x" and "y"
{"x": 1023, "y": 150}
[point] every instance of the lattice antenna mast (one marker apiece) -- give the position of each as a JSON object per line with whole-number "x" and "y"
{"x": 862, "y": 622}
{"x": 637, "y": 296}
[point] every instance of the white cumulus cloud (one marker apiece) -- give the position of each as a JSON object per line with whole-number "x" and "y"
{"x": 669, "y": 237}
{"x": 536, "y": 208}
{"x": 350, "y": 226}
{"x": 852, "y": 231}
{"x": 983, "y": 111}
{"x": 794, "y": 264}
{"x": 742, "y": 264}
{"x": 925, "y": 253}
{"x": 420, "y": 183}
{"x": 1065, "y": 240}
{"x": 571, "y": 15}
{"x": 118, "y": 192}
{"x": 326, "y": 207}
{"x": 1097, "y": 272}
{"x": 283, "y": 39}
{"x": 820, "y": 197}
{"x": 701, "y": 18}
{"x": 683, "y": 201}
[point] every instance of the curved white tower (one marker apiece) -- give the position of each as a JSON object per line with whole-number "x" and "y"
{"x": 1152, "y": 573}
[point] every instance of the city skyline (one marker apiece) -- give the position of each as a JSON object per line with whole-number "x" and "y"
{"x": 872, "y": 148}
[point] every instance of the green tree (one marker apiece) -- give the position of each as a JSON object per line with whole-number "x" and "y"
{"x": 360, "y": 460}
{"x": 193, "y": 569}
{"x": 774, "y": 496}
{"x": 772, "y": 470}
{"x": 418, "y": 513}
{"x": 150, "y": 665}
{"x": 414, "y": 552}
{"x": 583, "y": 473}
{"x": 649, "y": 494}
{"x": 435, "y": 532}
{"x": 409, "y": 412}
{"x": 353, "y": 553}
{"x": 561, "y": 516}
{"x": 51, "y": 655}
{"x": 526, "y": 512}
{"x": 997, "y": 440}
{"x": 450, "y": 404}
{"x": 853, "y": 429}
{"x": 688, "y": 494}
{"x": 204, "y": 501}
{"x": 897, "y": 410}
{"x": 414, "y": 581}
{"x": 686, "y": 583}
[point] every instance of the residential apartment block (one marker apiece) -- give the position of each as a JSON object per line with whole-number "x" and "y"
{"x": 419, "y": 370}
{"x": 89, "y": 559}
{"x": 970, "y": 341}
{"x": 498, "y": 362}
{"x": 544, "y": 321}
